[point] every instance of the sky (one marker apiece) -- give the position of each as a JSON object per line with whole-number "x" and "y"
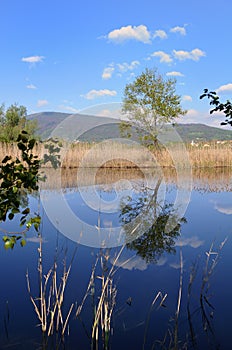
{"x": 70, "y": 55}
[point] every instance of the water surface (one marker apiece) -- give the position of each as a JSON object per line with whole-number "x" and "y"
{"x": 149, "y": 263}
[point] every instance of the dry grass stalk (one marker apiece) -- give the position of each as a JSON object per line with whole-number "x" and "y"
{"x": 158, "y": 295}
{"x": 122, "y": 155}
{"x": 106, "y": 303}
{"x": 48, "y": 306}
{"x": 178, "y": 302}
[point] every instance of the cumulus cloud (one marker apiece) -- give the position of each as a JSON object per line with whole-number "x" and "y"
{"x": 177, "y": 29}
{"x": 92, "y": 94}
{"x": 69, "y": 109}
{"x": 174, "y": 74}
{"x": 194, "y": 55}
{"x": 194, "y": 116}
{"x": 224, "y": 208}
{"x": 33, "y": 59}
{"x": 139, "y": 33}
{"x": 124, "y": 67}
{"x": 164, "y": 57}
{"x": 107, "y": 72}
{"x": 193, "y": 242}
{"x": 31, "y": 86}
{"x": 42, "y": 103}
{"x": 120, "y": 68}
{"x": 225, "y": 88}
{"x": 132, "y": 263}
{"x": 187, "y": 98}
{"x": 160, "y": 34}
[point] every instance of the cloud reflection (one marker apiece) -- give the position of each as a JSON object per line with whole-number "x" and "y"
{"x": 193, "y": 242}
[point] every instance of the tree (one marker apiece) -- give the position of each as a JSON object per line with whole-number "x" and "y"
{"x": 148, "y": 236}
{"x": 13, "y": 121}
{"x": 149, "y": 103}
{"x": 226, "y": 107}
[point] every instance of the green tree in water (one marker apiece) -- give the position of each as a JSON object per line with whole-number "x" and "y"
{"x": 145, "y": 222}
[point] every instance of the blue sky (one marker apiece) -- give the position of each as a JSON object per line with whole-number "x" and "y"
{"x": 68, "y": 55}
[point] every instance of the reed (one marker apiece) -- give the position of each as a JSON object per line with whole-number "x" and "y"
{"x": 122, "y": 155}
{"x": 49, "y": 304}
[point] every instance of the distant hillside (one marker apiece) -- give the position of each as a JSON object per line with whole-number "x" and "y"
{"x": 202, "y": 132}
{"x": 47, "y": 121}
{"x": 93, "y": 128}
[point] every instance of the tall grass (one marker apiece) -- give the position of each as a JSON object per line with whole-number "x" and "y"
{"x": 48, "y": 305}
{"x": 122, "y": 155}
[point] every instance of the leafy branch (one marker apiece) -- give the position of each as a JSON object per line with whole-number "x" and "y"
{"x": 226, "y": 107}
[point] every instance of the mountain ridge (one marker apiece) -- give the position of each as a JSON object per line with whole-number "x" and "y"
{"x": 97, "y": 128}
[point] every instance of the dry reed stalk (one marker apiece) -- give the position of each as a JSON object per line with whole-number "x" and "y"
{"x": 121, "y": 155}
{"x": 105, "y": 305}
{"x": 158, "y": 295}
{"x": 48, "y": 306}
{"x": 178, "y": 302}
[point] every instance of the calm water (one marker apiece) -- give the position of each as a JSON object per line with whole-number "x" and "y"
{"x": 149, "y": 263}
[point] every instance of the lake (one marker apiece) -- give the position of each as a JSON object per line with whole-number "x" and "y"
{"x": 150, "y": 257}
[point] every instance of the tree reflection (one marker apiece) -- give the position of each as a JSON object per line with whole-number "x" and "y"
{"x": 149, "y": 235}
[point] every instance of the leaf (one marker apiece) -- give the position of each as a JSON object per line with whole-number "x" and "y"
{"x": 11, "y": 216}
{"x": 26, "y": 211}
{"x": 23, "y": 242}
{"x": 5, "y": 160}
{"x": 9, "y": 244}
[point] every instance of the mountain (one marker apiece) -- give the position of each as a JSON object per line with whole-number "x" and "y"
{"x": 202, "y": 132}
{"x": 47, "y": 121}
{"x": 93, "y": 128}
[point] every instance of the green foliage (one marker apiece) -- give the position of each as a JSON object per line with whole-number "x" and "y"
{"x": 13, "y": 121}
{"x": 226, "y": 107}
{"x": 150, "y": 102}
{"x": 148, "y": 234}
{"x": 18, "y": 179}
{"x": 53, "y": 147}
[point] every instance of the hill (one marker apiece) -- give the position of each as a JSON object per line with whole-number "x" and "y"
{"x": 93, "y": 128}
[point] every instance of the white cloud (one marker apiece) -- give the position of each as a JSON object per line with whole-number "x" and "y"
{"x": 107, "y": 72}
{"x": 124, "y": 67}
{"x": 139, "y": 33}
{"x": 174, "y": 74}
{"x": 193, "y": 242}
{"x": 225, "y": 88}
{"x": 42, "y": 103}
{"x": 160, "y": 34}
{"x": 31, "y": 86}
{"x": 99, "y": 93}
{"x": 164, "y": 57}
{"x": 175, "y": 265}
{"x": 224, "y": 208}
{"x": 177, "y": 29}
{"x": 194, "y": 116}
{"x": 187, "y": 98}
{"x": 69, "y": 109}
{"x": 194, "y": 55}
{"x": 132, "y": 263}
{"x": 33, "y": 59}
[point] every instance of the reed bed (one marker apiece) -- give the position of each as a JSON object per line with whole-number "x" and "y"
{"x": 122, "y": 155}
{"x": 203, "y": 179}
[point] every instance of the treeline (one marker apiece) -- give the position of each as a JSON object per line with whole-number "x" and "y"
{"x": 13, "y": 120}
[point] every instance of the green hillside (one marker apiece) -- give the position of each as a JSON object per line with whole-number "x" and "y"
{"x": 92, "y": 128}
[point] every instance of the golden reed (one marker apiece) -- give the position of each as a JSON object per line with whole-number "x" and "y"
{"x": 118, "y": 155}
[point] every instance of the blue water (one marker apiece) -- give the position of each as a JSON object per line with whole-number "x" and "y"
{"x": 135, "y": 323}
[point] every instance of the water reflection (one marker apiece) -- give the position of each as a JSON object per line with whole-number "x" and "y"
{"x": 127, "y": 206}
{"x": 204, "y": 179}
{"x": 151, "y": 237}
{"x": 136, "y": 280}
